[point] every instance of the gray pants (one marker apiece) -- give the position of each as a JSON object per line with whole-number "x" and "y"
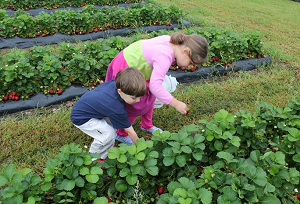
{"x": 103, "y": 133}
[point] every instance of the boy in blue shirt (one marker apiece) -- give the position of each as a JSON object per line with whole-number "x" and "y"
{"x": 99, "y": 112}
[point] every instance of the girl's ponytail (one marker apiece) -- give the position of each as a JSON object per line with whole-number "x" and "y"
{"x": 178, "y": 38}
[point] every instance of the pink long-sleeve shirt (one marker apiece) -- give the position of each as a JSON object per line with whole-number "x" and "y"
{"x": 153, "y": 57}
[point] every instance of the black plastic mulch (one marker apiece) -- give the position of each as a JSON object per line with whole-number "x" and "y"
{"x": 17, "y": 42}
{"x": 41, "y": 100}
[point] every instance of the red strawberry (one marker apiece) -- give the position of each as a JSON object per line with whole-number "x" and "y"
{"x": 16, "y": 98}
{"x": 100, "y": 160}
{"x": 59, "y": 92}
{"x": 298, "y": 196}
{"x": 228, "y": 65}
{"x": 95, "y": 84}
{"x": 109, "y": 199}
{"x": 5, "y": 98}
{"x": 187, "y": 112}
{"x": 95, "y": 30}
{"x": 51, "y": 91}
{"x": 14, "y": 93}
{"x": 160, "y": 189}
{"x": 37, "y": 34}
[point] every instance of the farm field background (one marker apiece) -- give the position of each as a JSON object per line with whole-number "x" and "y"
{"x": 29, "y": 140}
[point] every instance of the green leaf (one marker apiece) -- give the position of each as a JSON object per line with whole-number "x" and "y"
{"x": 274, "y": 169}
{"x": 235, "y": 141}
{"x": 186, "y": 149}
{"x": 280, "y": 158}
{"x": 294, "y": 134}
{"x": 3, "y": 180}
{"x": 124, "y": 172}
{"x": 153, "y": 154}
{"x": 67, "y": 184}
{"x": 78, "y": 161}
{"x": 254, "y": 155}
{"x": 227, "y": 156}
{"x": 140, "y": 156}
{"x": 96, "y": 170}
{"x": 269, "y": 188}
{"x": 152, "y": 170}
{"x": 249, "y": 187}
{"x": 168, "y": 161}
{"x": 205, "y": 196}
{"x": 131, "y": 179}
{"x": 260, "y": 178}
{"x": 87, "y": 160}
{"x": 198, "y": 139}
{"x": 84, "y": 171}
{"x": 46, "y": 186}
{"x": 296, "y": 158}
{"x": 121, "y": 186}
{"x": 122, "y": 158}
{"x": 101, "y": 200}
{"x": 186, "y": 183}
{"x": 198, "y": 155}
{"x": 150, "y": 162}
{"x": 92, "y": 178}
{"x": 218, "y": 145}
{"x": 79, "y": 181}
{"x": 113, "y": 153}
{"x": 25, "y": 171}
{"x": 132, "y": 161}
{"x": 141, "y": 146}
{"x": 31, "y": 200}
{"x": 180, "y": 192}
{"x": 180, "y": 160}
{"x": 184, "y": 201}
{"x": 132, "y": 149}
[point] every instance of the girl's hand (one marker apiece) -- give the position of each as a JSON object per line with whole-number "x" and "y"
{"x": 179, "y": 106}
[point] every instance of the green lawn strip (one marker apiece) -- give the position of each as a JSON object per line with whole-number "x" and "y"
{"x": 29, "y": 141}
{"x": 278, "y": 22}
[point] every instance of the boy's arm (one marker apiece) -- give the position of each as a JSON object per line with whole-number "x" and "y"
{"x": 132, "y": 134}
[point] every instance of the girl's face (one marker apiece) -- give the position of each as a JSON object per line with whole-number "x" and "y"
{"x": 128, "y": 98}
{"x": 183, "y": 58}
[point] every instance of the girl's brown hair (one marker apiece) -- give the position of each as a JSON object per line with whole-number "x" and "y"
{"x": 198, "y": 46}
{"x": 131, "y": 82}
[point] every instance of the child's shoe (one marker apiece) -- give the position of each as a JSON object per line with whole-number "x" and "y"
{"x": 124, "y": 139}
{"x": 152, "y": 130}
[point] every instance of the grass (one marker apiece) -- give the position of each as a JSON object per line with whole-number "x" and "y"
{"x": 30, "y": 140}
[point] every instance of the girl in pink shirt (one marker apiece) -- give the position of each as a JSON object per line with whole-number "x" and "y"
{"x": 153, "y": 57}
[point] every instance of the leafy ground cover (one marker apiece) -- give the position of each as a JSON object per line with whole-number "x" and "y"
{"x": 41, "y": 69}
{"x": 29, "y": 141}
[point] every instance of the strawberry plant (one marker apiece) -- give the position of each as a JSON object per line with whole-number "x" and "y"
{"x": 25, "y": 24}
{"x": 53, "y": 77}
{"x": 72, "y": 176}
{"x": 20, "y": 186}
{"x": 228, "y": 159}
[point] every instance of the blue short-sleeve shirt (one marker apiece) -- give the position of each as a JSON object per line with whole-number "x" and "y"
{"x": 103, "y": 101}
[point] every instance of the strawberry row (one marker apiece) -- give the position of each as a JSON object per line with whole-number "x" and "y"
{"x": 89, "y": 19}
{"x": 50, "y": 4}
{"x": 42, "y": 69}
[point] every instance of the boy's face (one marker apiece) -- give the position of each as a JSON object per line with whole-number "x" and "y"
{"x": 128, "y": 98}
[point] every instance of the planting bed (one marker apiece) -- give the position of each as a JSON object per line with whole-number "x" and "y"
{"x": 41, "y": 100}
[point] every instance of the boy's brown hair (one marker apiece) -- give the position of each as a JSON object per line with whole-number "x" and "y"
{"x": 131, "y": 82}
{"x": 197, "y": 44}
